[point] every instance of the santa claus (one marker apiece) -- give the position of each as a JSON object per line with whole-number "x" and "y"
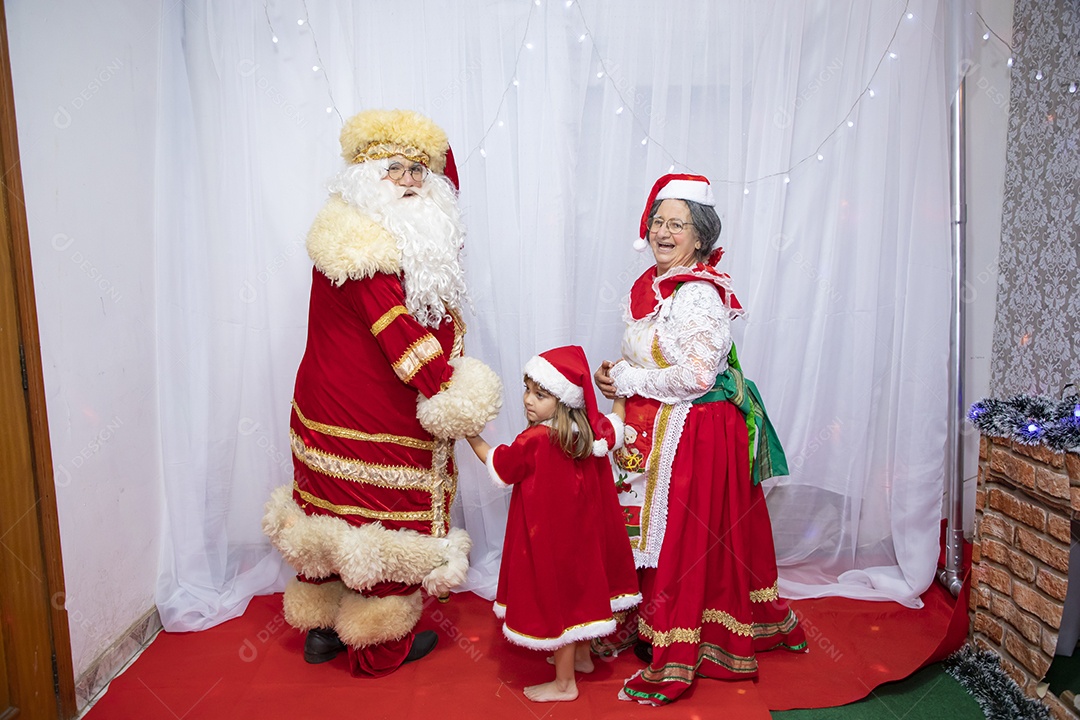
{"x": 382, "y": 391}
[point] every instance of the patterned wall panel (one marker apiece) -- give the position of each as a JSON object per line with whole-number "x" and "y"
{"x": 1037, "y": 328}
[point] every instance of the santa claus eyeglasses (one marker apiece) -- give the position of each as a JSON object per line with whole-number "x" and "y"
{"x": 396, "y": 171}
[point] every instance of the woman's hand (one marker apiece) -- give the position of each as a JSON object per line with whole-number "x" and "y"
{"x": 604, "y": 383}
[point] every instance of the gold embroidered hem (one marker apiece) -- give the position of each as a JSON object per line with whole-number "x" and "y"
{"x": 765, "y": 594}
{"x": 663, "y": 638}
{"x": 668, "y": 637}
{"x": 728, "y": 621}
{"x": 678, "y": 672}
{"x": 785, "y": 626}
{"x": 350, "y": 434}
{"x": 387, "y": 476}
{"x": 361, "y": 511}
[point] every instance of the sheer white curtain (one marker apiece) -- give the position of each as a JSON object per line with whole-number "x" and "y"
{"x": 822, "y": 126}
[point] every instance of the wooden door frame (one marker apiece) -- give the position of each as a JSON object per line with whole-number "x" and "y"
{"x": 18, "y": 242}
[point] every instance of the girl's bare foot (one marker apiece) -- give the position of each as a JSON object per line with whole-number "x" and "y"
{"x": 551, "y": 692}
{"x": 581, "y": 664}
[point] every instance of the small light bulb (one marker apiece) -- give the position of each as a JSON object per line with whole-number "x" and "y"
{"x": 329, "y": 110}
{"x": 1038, "y": 75}
{"x": 851, "y": 123}
{"x": 645, "y": 141}
{"x": 501, "y": 123}
{"x": 786, "y": 179}
{"x": 515, "y": 82}
{"x": 1009, "y": 63}
{"x": 529, "y": 46}
{"x": 1032, "y": 427}
{"x": 300, "y": 21}
{"x": 671, "y": 169}
{"x": 619, "y": 111}
{"x": 911, "y": 16}
{"x": 820, "y": 157}
{"x": 314, "y": 68}
{"x": 600, "y": 74}
{"x": 274, "y": 39}
{"x": 483, "y": 153}
{"x": 1072, "y": 87}
{"x": 986, "y": 36}
{"x": 872, "y": 93}
{"x": 569, "y": 3}
{"x": 892, "y": 55}
{"x": 581, "y": 37}
{"x": 746, "y": 191}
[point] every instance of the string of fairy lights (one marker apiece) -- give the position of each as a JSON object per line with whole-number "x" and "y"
{"x": 625, "y": 108}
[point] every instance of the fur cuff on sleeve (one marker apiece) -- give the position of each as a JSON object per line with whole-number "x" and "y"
{"x": 492, "y": 472}
{"x": 321, "y": 545}
{"x": 470, "y": 402}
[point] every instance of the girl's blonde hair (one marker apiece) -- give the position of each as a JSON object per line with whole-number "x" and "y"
{"x": 570, "y": 428}
{"x": 576, "y": 441}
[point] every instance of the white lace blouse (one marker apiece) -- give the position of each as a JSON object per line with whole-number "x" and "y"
{"x": 675, "y": 354}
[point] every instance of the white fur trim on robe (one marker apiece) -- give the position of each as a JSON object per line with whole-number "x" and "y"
{"x": 345, "y": 244}
{"x": 319, "y": 546}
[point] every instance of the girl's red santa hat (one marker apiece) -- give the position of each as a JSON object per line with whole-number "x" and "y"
{"x": 564, "y": 372}
{"x": 674, "y": 187}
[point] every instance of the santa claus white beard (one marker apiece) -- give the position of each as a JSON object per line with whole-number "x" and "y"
{"x": 428, "y": 230}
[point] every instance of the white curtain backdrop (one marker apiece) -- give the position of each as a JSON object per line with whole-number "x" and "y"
{"x": 823, "y": 126}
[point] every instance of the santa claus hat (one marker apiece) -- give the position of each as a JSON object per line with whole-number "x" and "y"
{"x": 564, "y": 372}
{"x": 674, "y": 187}
{"x": 376, "y": 134}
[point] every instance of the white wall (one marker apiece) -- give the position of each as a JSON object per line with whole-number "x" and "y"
{"x": 987, "y": 125}
{"x": 85, "y": 95}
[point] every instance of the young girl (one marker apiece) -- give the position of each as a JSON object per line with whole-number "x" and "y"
{"x": 566, "y": 565}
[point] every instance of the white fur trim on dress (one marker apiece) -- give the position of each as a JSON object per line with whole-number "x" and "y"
{"x": 696, "y": 190}
{"x": 345, "y": 244}
{"x": 588, "y": 631}
{"x": 319, "y": 546}
{"x": 548, "y": 376}
{"x": 625, "y": 602}
{"x": 600, "y": 447}
{"x": 471, "y": 401}
{"x": 499, "y": 609}
{"x": 492, "y": 472}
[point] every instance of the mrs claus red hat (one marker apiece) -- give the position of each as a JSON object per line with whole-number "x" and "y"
{"x": 564, "y": 371}
{"x": 674, "y": 187}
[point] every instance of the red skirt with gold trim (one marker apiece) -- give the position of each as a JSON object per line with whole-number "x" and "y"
{"x": 711, "y": 603}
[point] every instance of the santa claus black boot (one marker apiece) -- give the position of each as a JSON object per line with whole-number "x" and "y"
{"x": 322, "y": 645}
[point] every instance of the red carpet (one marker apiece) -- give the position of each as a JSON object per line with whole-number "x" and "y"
{"x": 253, "y": 667}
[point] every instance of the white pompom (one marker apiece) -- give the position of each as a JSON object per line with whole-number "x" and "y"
{"x": 640, "y": 244}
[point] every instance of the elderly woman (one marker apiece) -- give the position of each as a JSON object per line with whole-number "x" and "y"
{"x": 690, "y": 470}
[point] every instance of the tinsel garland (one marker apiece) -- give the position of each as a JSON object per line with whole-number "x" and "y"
{"x": 979, "y": 672}
{"x": 1030, "y": 420}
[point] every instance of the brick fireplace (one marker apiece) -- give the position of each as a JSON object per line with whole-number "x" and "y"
{"x": 1025, "y": 504}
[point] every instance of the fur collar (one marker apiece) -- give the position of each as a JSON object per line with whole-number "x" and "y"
{"x": 345, "y": 244}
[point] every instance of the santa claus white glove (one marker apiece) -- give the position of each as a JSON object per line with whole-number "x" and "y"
{"x": 470, "y": 402}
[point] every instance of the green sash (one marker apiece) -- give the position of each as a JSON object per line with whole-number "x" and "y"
{"x": 769, "y": 459}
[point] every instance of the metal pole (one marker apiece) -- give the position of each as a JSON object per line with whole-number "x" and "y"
{"x": 954, "y": 448}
